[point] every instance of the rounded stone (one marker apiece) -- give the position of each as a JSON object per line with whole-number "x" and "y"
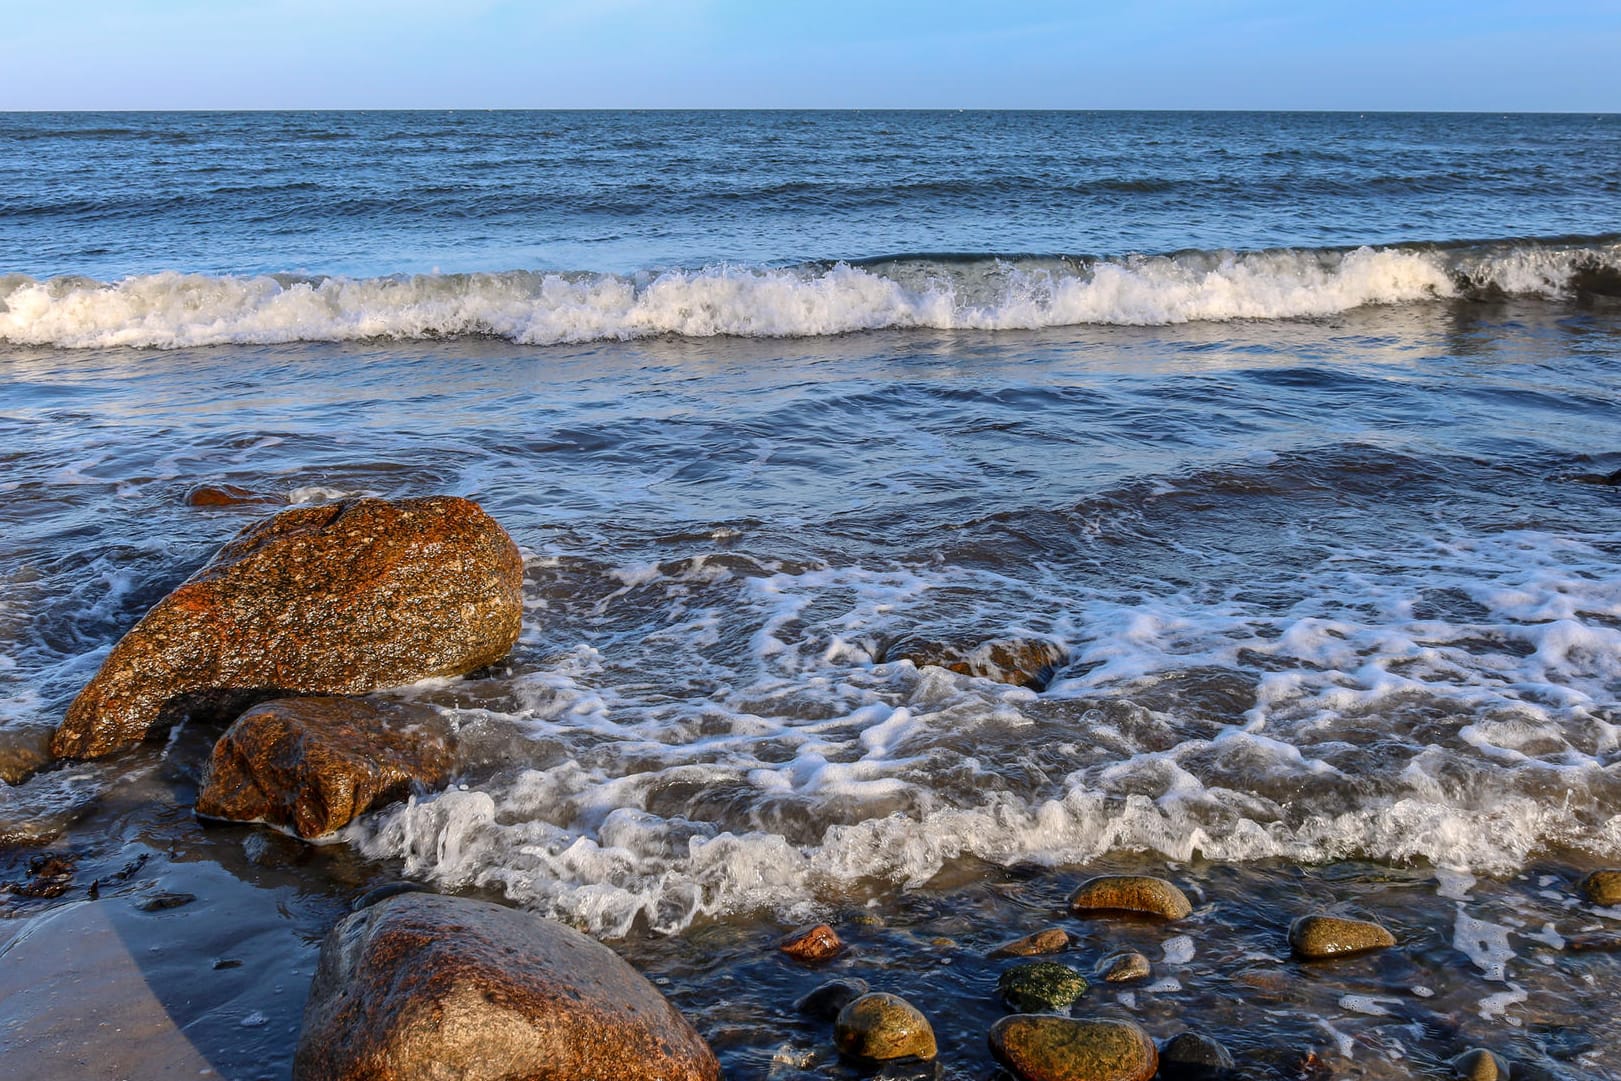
{"x": 1045, "y": 941}
{"x": 1191, "y": 1056}
{"x": 1124, "y": 967}
{"x": 826, "y": 1000}
{"x": 816, "y": 943}
{"x": 1142, "y": 894}
{"x": 1603, "y": 888}
{"x": 1037, "y": 1047}
{"x": 1041, "y": 987}
{"x": 1320, "y": 936}
{"x": 1479, "y": 1064}
{"x": 878, "y": 1027}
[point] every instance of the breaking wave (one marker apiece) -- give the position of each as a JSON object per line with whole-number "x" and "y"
{"x": 952, "y": 292}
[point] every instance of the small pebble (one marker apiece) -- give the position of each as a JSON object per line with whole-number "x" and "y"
{"x": 816, "y": 943}
{"x": 1124, "y": 967}
{"x": 1313, "y": 937}
{"x": 1142, "y": 894}
{"x": 878, "y": 1027}
{"x": 1045, "y": 941}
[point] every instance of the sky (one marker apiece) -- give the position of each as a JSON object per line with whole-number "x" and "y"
{"x": 1555, "y": 55}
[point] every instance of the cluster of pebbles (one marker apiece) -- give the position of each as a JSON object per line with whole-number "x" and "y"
{"x": 1040, "y": 1040}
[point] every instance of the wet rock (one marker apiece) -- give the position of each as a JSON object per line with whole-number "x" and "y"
{"x": 422, "y": 986}
{"x": 384, "y": 892}
{"x": 1023, "y": 662}
{"x": 1191, "y": 1056}
{"x": 826, "y": 1000}
{"x": 1130, "y": 893}
{"x": 1124, "y": 967}
{"x": 1479, "y": 1064}
{"x": 164, "y": 900}
{"x": 1044, "y": 1048}
{"x": 337, "y": 599}
{"x": 22, "y": 751}
{"x": 313, "y": 764}
{"x": 227, "y": 495}
{"x": 1603, "y": 888}
{"x": 1597, "y": 943}
{"x": 1048, "y": 940}
{"x": 816, "y": 943}
{"x": 1041, "y": 987}
{"x": 1313, "y": 937}
{"x": 49, "y": 875}
{"x": 878, "y": 1027}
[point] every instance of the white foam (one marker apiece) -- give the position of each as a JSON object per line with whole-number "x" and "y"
{"x": 1485, "y": 944}
{"x": 171, "y": 310}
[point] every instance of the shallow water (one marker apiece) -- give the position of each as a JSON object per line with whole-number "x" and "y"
{"x": 1327, "y": 532}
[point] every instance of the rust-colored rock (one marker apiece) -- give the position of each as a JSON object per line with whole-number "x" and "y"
{"x": 1023, "y": 662}
{"x": 816, "y": 943}
{"x": 313, "y": 764}
{"x": 1042, "y": 1047}
{"x": 337, "y": 599}
{"x": 1047, "y": 940}
{"x": 227, "y": 495}
{"x": 424, "y": 986}
{"x": 1141, "y": 894}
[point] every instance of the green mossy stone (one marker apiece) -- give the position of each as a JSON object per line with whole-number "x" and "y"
{"x": 1041, "y": 987}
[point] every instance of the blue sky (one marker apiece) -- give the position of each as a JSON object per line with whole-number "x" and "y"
{"x": 1217, "y": 54}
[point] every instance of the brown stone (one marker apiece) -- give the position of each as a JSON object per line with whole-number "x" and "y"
{"x": 1479, "y": 1064}
{"x": 1124, "y": 967}
{"x": 337, "y": 599}
{"x": 1041, "y": 1047}
{"x": 816, "y": 943}
{"x": 879, "y": 1027}
{"x": 1142, "y": 894}
{"x": 22, "y": 751}
{"x": 1023, "y": 662}
{"x": 227, "y": 495}
{"x": 424, "y": 986}
{"x": 1048, "y": 940}
{"x": 314, "y": 764}
{"x": 1603, "y": 888}
{"x": 1313, "y": 937}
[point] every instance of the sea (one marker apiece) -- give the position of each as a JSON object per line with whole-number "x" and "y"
{"x": 1299, "y": 433}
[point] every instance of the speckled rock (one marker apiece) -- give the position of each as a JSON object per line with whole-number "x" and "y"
{"x": 1191, "y": 1056}
{"x": 1141, "y": 894}
{"x": 1023, "y": 662}
{"x": 816, "y": 943}
{"x": 344, "y": 598}
{"x": 1041, "y": 987}
{"x": 826, "y": 1000}
{"x": 1046, "y": 941}
{"x": 228, "y": 495}
{"x": 1314, "y": 937}
{"x": 1037, "y": 1047}
{"x": 314, "y": 764}
{"x": 1479, "y": 1064}
{"x": 423, "y": 986}
{"x": 1124, "y": 967}
{"x": 878, "y": 1027}
{"x": 1603, "y": 888}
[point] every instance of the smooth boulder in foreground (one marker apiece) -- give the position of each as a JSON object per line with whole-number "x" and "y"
{"x": 344, "y": 598}
{"x": 423, "y": 986}
{"x": 313, "y": 764}
{"x": 1042, "y": 1047}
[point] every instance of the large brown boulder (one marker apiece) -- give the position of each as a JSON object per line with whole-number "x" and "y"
{"x": 313, "y": 764}
{"x": 424, "y": 986}
{"x": 337, "y": 599}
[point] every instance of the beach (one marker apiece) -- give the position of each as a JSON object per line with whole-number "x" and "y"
{"x": 1295, "y": 435}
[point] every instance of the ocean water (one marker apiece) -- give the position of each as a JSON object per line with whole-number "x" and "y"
{"x": 1301, "y": 434}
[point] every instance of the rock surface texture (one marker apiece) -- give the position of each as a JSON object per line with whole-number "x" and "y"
{"x": 1023, "y": 662}
{"x": 879, "y": 1027}
{"x": 422, "y": 986}
{"x": 1041, "y": 987}
{"x": 337, "y": 599}
{"x": 1047, "y": 940}
{"x": 1313, "y": 937}
{"x": 1603, "y": 888}
{"x": 1047, "y": 1048}
{"x": 314, "y": 764}
{"x": 816, "y": 943}
{"x": 1142, "y": 894}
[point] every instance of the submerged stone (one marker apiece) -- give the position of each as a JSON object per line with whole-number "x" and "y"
{"x": 1023, "y": 662}
{"x": 878, "y": 1027}
{"x": 1048, "y": 940}
{"x": 1124, "y": 966}
{"x": 1603, "y": 888}
{"x": 1041, "y": 987}
{"x": 1479, "y": 1064}
{"x": 344, "y": 598}
{"x": 1045, "y": 1048}
{"x": 1192, "y": 1056}
{"x": 1313, "y": 937}
{"x": 1143, "y": 894}
{"x": 826, "y": 1000}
